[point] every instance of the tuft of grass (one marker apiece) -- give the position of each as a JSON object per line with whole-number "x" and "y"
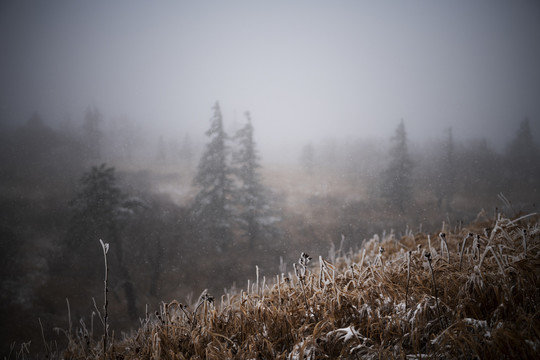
{"x": 355, "y": 308}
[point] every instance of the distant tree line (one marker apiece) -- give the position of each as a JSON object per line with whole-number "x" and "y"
{"x": 444, "y": 169}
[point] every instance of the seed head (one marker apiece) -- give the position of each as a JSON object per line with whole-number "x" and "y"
{"x": 304, "y": 259}
{"x": 208, "y": 298}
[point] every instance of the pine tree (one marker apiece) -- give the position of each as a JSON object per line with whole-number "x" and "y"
{"x": 95, "y": 209}
{"x": 211, "y": 210}
{"x": 523, "y": 158}
{"x": 522, "y": 149}
{"x": 444, "y": 184}
{"x": 186, "y": 152}
{"x": 523, "y": 145}
{"x": 255, "y": 218}
{"x": 92, "y": 133}
{"x": 161, "y": 156}
{"x": 480, "y": 169}
{"x": 307, "y": 160}
{"x": 397, "y": 177}
{"x": 99, "y": 209}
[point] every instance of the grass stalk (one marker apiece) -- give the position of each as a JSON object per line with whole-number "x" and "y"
{"x": 469, "y": 235}
{"x": 300, "y": 272}
{"x": 47, "y": 349}
{"x": 69, "y": 317}
{"x": 524, "y": 239}
{"x": 428, "y": 257}
{"x": 442, "y": 236}
{"x": 408, "y": 280}
{"x": 105, "y": 247}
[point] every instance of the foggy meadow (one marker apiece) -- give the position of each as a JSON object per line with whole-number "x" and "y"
{"x": 66, "y": 188}
{"x": 213, "y": 148}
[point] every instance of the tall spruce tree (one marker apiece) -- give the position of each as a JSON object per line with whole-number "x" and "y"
{"x": 211, "y": 210}
{"x": 254, "y": 215}
{"x": 397, "y": 177}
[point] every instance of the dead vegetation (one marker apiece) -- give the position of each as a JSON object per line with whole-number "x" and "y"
{"x": 472, "y": 292}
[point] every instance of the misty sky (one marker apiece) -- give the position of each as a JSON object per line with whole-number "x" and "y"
{"x": 304, "y": 69}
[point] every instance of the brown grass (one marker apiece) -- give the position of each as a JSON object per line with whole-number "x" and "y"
{"x": 356, "y": 308}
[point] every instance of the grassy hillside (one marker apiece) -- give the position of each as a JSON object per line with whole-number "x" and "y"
{"x": 473, "y": 292}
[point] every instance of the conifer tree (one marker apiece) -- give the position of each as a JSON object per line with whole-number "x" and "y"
{"x": 397, "y": 177}
{"x": 211, "y": 210}
{"x": 161, "y": 151}
{"x": 444, "y": 184}
{"x": 254, "y": 217}
{"x": 523, "y": 149}
{"x": 523, "y": 145}
{"x": 523, "y": 158}
{"x": 95, "y": 210}
{"x": 92, "y": 132}
{"x": 186, "y": 152}
{"x": 307, "y": 160}
{"x": 99, "y": 209}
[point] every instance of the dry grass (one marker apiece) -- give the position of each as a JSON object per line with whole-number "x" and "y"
{"x": 356, "y": 308}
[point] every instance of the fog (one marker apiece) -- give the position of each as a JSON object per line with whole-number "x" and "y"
{"x": 202, "y": 139}
{"x": 305, "y": 70}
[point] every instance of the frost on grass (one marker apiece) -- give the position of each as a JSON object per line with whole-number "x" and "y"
{"x": 366, "y": 305}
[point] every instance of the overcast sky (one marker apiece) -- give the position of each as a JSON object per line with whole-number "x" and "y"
{"x": 304, "y": 69}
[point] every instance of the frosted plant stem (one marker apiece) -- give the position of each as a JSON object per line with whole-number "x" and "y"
{"x": 304, "y": 293}
{"x": 524, "y": 237}
{"x": 69, "y": 316}
{"x": 43, "y": 337}
{"x": 463, "y": 249}
{"x": 257, "y": 287}
{"x": 408, "y": 280}
{"x": 428, "y": 256}
{"x": 105, "y": 247}
{"x": 279, "y": 290}
{"x": 442, "y": 236}
{"x": 523, "y": 217}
